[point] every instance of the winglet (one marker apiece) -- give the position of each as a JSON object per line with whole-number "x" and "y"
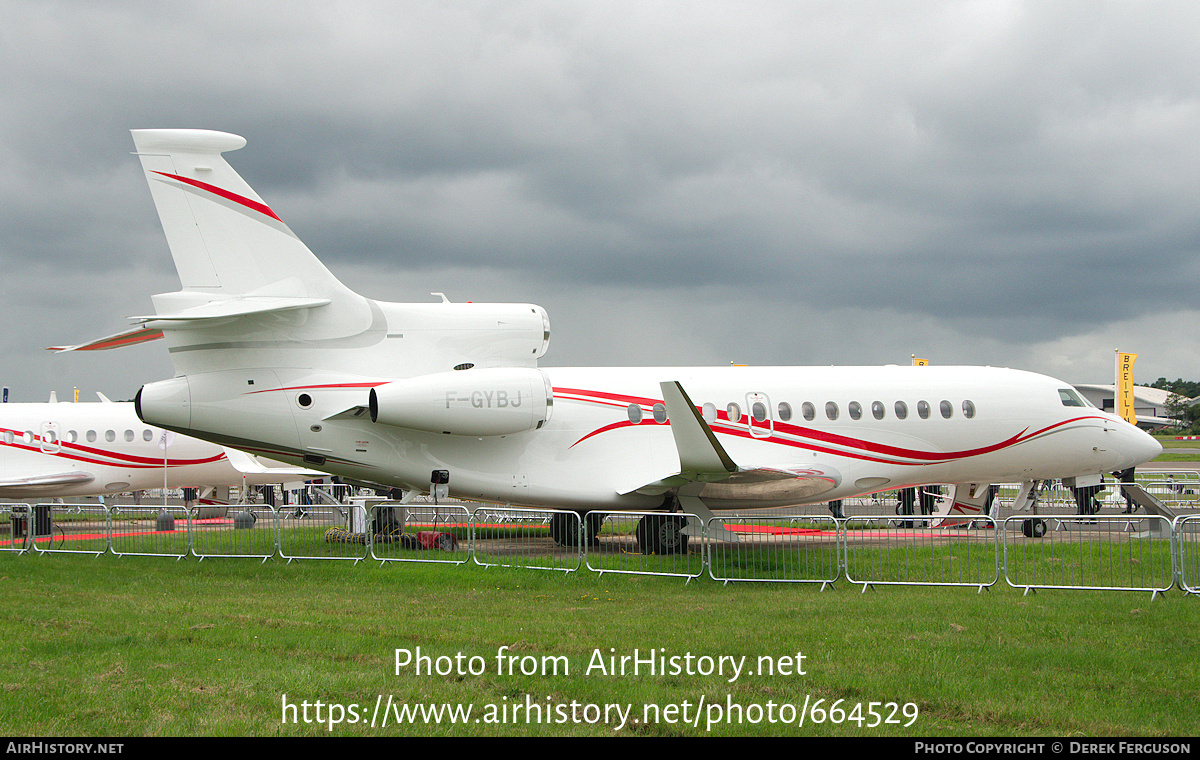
{"x": 701, "y": 456}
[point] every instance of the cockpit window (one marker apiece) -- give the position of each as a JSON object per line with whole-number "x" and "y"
{"x": 1070, "y": 397}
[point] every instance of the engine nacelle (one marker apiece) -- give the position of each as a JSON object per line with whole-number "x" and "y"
{"x": 474, "y": 402}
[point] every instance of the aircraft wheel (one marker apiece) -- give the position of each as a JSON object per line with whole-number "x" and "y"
{"x": 662, "y": 534}
{"x": 1033, "y": 528}
{"x": 563, "y": 529}
{"x": 593, "y": 522}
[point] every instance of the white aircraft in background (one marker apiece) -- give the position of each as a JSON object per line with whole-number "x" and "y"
{"x": 64, "y": 450}
{"x": 274, "y": 355}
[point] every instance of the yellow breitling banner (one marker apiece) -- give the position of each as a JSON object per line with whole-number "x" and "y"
{"x": 920, "y": 362}
{"x": 1125, "y": 387}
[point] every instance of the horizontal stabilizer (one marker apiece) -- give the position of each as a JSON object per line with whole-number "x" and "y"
{"x": 236, "y": 307}
{"x": 139, "y": 334}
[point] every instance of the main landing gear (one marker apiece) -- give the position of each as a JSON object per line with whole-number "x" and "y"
{"x": 564, "y": 528}
{"x": 655, "y": 533}
{"x": 662, "y": 534}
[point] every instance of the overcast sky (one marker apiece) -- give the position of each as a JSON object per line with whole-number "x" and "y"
{"x": 1003, "y": 183}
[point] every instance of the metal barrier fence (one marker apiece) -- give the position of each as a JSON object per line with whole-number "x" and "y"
{"x": 644, "y": 543}
{"x": 320, "y": 531}
{"x": 925, "y": 552}
{"x": 426, "y": 533}
{"x": 74, "y": 529}
{"x": 148, "y": 531}
{"x": 801, "y": 549}
{"x": 14, "y": 530}
{"x": 1049, "y": 551}
{"x": 249, "y": 531}
{"x": 531, "y": 538}
{"x": 1187, "y": 553}
{"x": 1091, "y": 552}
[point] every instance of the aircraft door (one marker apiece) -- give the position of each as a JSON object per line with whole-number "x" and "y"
{"x": 50, "y": 443}
{"x": 761, "y": 423}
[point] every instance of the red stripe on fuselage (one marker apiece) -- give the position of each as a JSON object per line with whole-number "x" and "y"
{"x": 866, "y": 450}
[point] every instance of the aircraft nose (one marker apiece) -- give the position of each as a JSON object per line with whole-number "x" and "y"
{"x": 1141, "y": 447}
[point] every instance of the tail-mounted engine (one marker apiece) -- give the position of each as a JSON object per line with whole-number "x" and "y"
{"x": 475, "y": 402}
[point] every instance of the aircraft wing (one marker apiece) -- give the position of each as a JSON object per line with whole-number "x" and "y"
{"x": 49, "y": 480}
{"x": 248, "y": 464}
{"x": 708, "y": 472}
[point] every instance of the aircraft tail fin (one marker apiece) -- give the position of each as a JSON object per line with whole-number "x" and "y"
{"x": 223, "y": 237}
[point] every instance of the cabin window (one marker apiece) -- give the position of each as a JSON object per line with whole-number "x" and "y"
{"x": 758, "y": 410}
{"x": 877, "y": 409}
{"x": 831, "y": 410}
{"x": 8, "y": 437}
{"x": 923, "y": 409}
{"x": 734, "y": 411}
{"x": 785, "y": 411}
{"x": 72, "y": 436}
{"x": 147, "y": 435}
{"x": 635, "y": 413}
{"x": 947, "y": 409}
{"x": 129, "y": 436}
{"x": 968, "y": 409}
{"x": 28, "y": 437}
{"x": 808, "y": 411}
{"x": 855, "y": 410}
{"x": 901, "y": 410}
{"x": 110, "y": 435}
{"x": 1070, "y": 397}
{"x": 709, "y": 412}
{"x": 91, "y": 436}
{"x": 660, "y": 413}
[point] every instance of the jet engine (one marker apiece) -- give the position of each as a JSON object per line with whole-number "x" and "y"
{"x": 473, "y": 402}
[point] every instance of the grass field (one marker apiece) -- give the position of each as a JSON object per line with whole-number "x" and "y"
{"x": 120, "y": 646}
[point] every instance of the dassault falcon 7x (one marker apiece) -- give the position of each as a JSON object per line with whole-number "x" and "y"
{"x": 62, "y": 450}
{"x": 274, "y": 355}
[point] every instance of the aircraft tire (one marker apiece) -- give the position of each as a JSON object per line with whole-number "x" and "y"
{"x": 563, "y": 529}
{"x": 593, "y": 522}
{"x": 1039, "y": 528}
{"x": 662, "y": 534}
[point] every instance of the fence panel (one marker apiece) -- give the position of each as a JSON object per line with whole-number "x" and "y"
{"x": 921, "y": 551}
{"x": 643, "y": 543}
{"x": 780, "y": 549}
{"x": 154, "y": 531}
{"x": 424, "y": 533}
{"x": 247, "y": 530}
{"x": 533, "y": 538}
{"x": 73, "y": 528}
{"x": 1187, "y": 553}
{"x": 320, "y": 531}
{"x": 1089, "y": 552}
{"x": 14, "y": 528}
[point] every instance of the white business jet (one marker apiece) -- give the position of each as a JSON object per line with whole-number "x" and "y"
{"x": 64, "y": 450}
{"x": 274, "y": 355}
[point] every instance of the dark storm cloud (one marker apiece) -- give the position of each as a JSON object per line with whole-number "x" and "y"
{"x": 978, "y": 177}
